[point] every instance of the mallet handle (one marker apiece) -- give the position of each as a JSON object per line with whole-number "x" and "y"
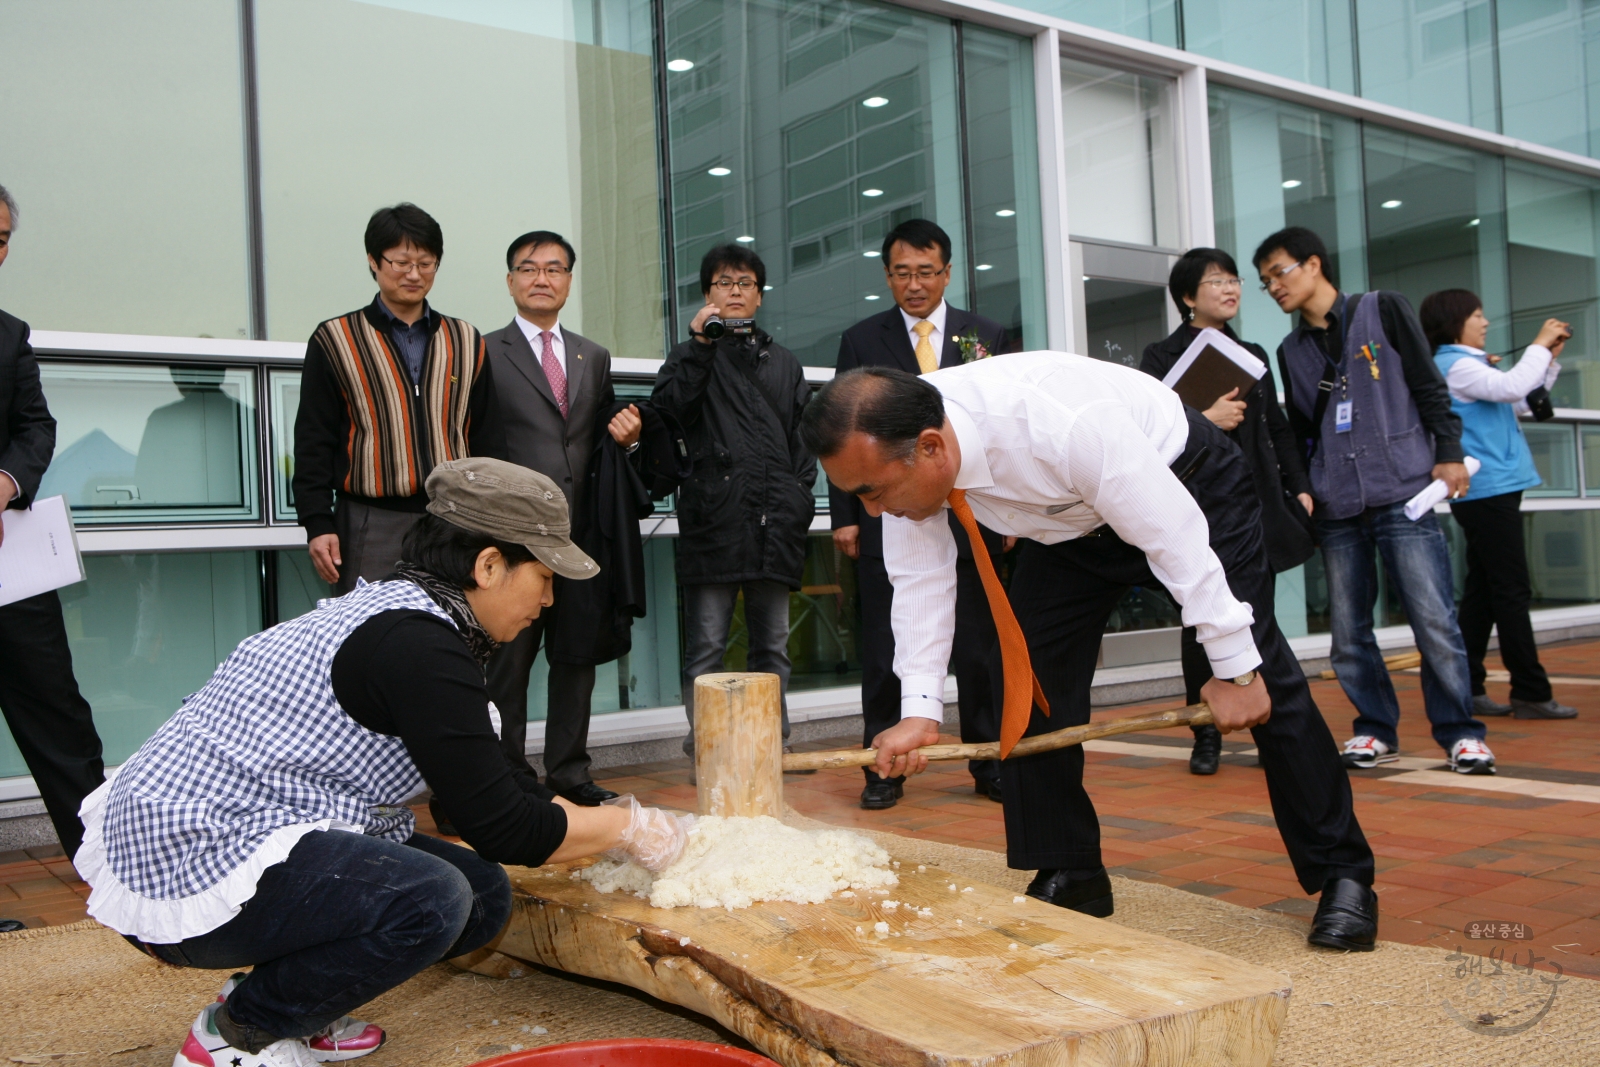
{"x": 1194, "y": 715}
{"x": 1402, "y": 662}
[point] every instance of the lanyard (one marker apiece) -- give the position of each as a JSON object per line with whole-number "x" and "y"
{"x": 1335, "y": 365}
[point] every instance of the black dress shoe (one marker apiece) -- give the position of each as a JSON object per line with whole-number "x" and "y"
{"x": 587, "y": 795}
{"x": 1070, "y": 889}
{"x": 1347, "y": 916}
{"x": 1207, "y": 754}
{"x": 441, "y": 821}
{"x": 881, "y": 794}
{"x": 988, "y": 787}
{"x": 11, "y": 926}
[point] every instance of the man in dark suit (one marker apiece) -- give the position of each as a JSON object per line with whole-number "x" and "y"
{"x": 921, "y": 333}
{"x": 552, "y": 387}
{"x": 48, "y": 717}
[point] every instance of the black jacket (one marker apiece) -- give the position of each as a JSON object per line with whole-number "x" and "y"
{"x": 884, "y": 341}
{"x": 1268, "y": 443}
{"x": 28, "y": 434}
{"x": 744, "y": 513}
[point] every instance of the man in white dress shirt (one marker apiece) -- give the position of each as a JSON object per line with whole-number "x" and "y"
{"x": 1112, "y": 482}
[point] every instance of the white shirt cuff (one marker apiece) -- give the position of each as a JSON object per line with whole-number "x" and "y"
{"x": 922, "y": 698}
{"x": 1233, "y": 654}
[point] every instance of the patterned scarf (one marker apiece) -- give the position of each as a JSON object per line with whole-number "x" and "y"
{"x": 454, "y": 602}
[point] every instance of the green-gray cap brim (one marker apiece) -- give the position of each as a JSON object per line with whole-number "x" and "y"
{"x": 512, "y": 504}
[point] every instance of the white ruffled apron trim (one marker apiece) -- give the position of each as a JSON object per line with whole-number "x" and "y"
{"x": 166, "y": 922}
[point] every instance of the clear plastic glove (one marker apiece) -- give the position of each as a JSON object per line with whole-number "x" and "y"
{"x": 653, "y": 838}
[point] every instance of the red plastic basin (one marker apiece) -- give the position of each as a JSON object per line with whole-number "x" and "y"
{"x": 631, "y": 1052}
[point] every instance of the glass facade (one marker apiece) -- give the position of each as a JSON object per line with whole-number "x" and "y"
{"x": 1121, "y": 159}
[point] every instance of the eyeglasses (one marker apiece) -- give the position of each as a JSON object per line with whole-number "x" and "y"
{"x": 405, "y": 266}
{"x": 924, "y": 275}
{"x": 554, "y": 273}
{"x": 744, "y": 285}
{"x": 1277, "y": 275}
{"x": 1222, "y": 284}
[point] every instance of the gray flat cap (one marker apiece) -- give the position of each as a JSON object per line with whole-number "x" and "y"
{"x": 509, "y": 503}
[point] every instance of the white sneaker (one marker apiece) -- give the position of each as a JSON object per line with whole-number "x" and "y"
{"x": 205, "y": 1047}
{"x": 1471, "y": 756}
{"x": 346, "y": 1038}
{"x": 1364, "y": 751}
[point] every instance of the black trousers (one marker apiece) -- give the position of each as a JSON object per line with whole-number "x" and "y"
{"x": 1497, "y": 594}
{"x": 49, "y": 719}
{"x": 566, "y": 724}
{"x": 1064, "y": 593}
{"x": 975, "y": 645}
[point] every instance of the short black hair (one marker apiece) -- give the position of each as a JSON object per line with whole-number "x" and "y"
{"x": 536, "y": 238}
{"x": 1190, "y": 268}
{"x": 731, "y": 257}
{"x": 887, "y": 404}
{"x": 391, "y": 227}
{"x": 918, "y": 233}
{"x": 1444, "y": 313}
{"x": 451, "y": 552}
{"x": 1301, "y": 244}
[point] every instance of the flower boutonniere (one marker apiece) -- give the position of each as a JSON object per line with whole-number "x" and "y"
{"x": 971, "y": 346}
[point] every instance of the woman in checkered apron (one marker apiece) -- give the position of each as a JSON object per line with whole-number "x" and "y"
{"x": 266, "y": 824}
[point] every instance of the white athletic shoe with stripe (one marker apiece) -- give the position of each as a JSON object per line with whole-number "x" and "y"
{"x": 1364, "y": 751}
{"x": 205, "y": 1047}
{"x": 344, "y": 1039}
{"x": 1471, "y": 756}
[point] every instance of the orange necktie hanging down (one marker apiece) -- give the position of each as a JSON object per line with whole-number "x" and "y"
{"x": 1022, "y": 689}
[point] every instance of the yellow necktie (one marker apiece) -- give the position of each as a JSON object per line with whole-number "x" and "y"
{"x": 927, "y": 359}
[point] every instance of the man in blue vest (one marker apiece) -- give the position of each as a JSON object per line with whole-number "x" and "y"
{"x": 1365, "y": 396}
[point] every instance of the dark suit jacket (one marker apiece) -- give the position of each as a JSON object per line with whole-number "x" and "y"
{"x": 28, "y": 432}
{"x": 536, "y": 435}
{"x": 884, "y": 341}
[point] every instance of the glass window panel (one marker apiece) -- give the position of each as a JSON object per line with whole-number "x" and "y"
{"x": 124, "y": 128}
{"x": 824, "y": 621}
{"x": 1003, "y": 170}
{"x": 1563, "y": 557}
{"x": 1550, "y": 72}
{"x": 1122, "y": 179}
{"x": 1432, "y": 56}
{"x": 1553, "y": 231}
{"x": 1274, "y": 165}
{"x": 1307, "y": 40}
{"x": 1555, "y": 456}
{"x": 1148, "y": 20}
{"x": 284, "y": 388}
{"x": 1435, "y": 221}
{"x": 1591, "y": 460}
{"x": 299, "y": 587}
{"x": 146, "y": 631}
{"x": 1123, "y": 317}
{"x": 544, "y": 120}
{"x": 807, "y": 131}
{"x": 147, "y": 443}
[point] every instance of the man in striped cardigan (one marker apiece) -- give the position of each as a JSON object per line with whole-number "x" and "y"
{"x": 388, "y": 392}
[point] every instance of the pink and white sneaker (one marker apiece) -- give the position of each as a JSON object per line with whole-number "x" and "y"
{"x": 1471, "y": 756}
{"x": 205, "y": 1047}
{"x": 345, "y": 1038}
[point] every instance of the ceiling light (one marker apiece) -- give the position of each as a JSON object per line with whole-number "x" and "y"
{"x": 872, "y": 192}
{"x": 719, "y": 172}
{"x": 1005, "y": 213}
{"x": 1391, "y": 204}
{"x": 744, "y": 240}
{"x": 1292, "y": 183}
{"x": 983, "y": 266}
{"x": 872, "y": 296}
{"x": 1474, "y": 222}
{"x": 872, "y": 255}
{"x": 766, "y": 288}
{"x": 875, "y": 101}
{"x": 678, "y": 66}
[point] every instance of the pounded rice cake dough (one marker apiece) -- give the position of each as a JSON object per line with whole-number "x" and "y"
{"x": 735, "y": 861}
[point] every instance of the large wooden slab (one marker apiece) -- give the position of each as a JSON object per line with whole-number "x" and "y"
{"x": 982, "y": 982}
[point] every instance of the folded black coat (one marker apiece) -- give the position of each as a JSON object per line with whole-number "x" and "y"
{"x": 592, "y": 620}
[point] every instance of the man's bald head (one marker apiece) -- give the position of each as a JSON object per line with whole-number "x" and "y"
{"x": 887, "y": 405}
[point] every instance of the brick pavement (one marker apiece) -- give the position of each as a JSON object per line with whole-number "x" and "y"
{"x": 1447, "y": 854}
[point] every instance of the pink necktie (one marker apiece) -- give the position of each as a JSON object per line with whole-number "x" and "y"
{"x": 553, "y": 371}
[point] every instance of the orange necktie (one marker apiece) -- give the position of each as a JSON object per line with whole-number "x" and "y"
{"x": 1021, "y": 682}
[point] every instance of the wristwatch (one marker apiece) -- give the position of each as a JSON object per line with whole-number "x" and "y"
{"x": 1245, "y": 679}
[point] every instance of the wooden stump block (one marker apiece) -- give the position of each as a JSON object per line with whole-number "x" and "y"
{"x": 738, "y": 744}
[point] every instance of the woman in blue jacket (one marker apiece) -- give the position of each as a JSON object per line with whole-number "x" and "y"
{"x": 1488, "y": 401}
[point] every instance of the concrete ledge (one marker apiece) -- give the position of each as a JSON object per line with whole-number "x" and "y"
{"x": 24, "y": 824}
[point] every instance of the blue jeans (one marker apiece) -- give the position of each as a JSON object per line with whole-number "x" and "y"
{"x": 1417, "y": 560}
{"x": 708, "y": 615}
{"x": 344, "y": 918}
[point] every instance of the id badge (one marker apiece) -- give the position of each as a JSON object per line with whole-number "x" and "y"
{"x": 1342, "y": 416}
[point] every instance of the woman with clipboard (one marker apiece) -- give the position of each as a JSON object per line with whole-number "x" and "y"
{"x": 1205, "y": 286}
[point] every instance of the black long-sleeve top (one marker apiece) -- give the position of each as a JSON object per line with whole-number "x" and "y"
{"x": 1428, "y": 390}
{"x": 322, "y": 433}
{"x": 28, "y": 431}
{"x": 408, "y": 674}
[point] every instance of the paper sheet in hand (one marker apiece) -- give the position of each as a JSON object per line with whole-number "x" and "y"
{"x": 1213, "y": 365}
{"x": 40, "y": 550}
{"x": 1435, "y": 492}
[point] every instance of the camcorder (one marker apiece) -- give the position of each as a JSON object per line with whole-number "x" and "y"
{"x": 716, "y": 326}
